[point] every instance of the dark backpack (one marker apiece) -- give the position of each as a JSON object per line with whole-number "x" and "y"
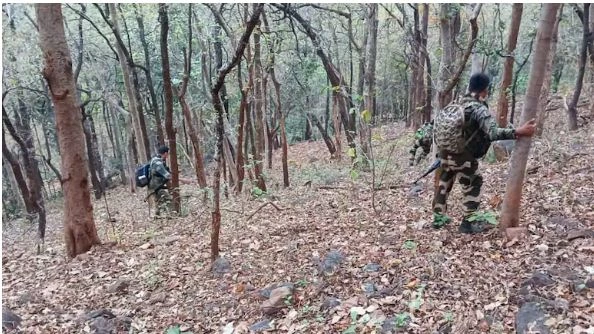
{"x": 143, "y": 175}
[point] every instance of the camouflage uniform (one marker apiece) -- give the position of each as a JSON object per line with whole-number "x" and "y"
{"x": 480, "y": 130}
{"x": 157, "y": 186}
{"x": 423, "y": 139}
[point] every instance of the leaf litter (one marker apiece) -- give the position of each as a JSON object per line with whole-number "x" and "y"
{"x": 351, "y": 269}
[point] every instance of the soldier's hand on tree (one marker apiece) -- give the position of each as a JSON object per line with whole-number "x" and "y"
{"x": 527, "y": 129}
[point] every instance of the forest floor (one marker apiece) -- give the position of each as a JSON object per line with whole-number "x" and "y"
{"x": 344, "y": 267}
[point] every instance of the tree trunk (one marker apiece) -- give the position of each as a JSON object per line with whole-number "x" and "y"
{"x": 259, "y": 113}
{"x": 217, "y": 103}
{"x": 170, "y": 131}
{"x": 19, "y": 177}
{"x": 327, "y": 140}
{"x": 448, "y": 74}
{"x": 93, "y": 168}
{"x": 548, "y": 77}
{"x": 425, "y": 55}
{"x": 508, "y": 66}
{"x": 579, "y": 81}
{"x": 149, "y": 79}
{"x": 340, "y": 90}
{"x": 126, "y": 65}
{"x": 21, "y": 132}
{"x": 369, "y": 94}
{"x": 79, "y": 226}
{"x": 513, "y": 192}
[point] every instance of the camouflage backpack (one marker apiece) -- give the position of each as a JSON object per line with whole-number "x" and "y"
{"x": 449, "y": 129}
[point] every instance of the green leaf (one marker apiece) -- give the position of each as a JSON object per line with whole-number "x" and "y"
{"x": 366, "y": 115}
{"x": 354, "y": 174}
{"x": 173, "y": 330}
{"x": 352, "y": 153}
{"x": 410, "y": 244}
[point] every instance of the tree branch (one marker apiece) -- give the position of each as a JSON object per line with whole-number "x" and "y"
{"x": 96, "y": 28}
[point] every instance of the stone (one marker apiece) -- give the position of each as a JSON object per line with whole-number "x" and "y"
{"x": 329, "y": 303}
{"x": 539, "y": 279}
{"x": 531, "y": 318}
{"x": 503, "y": 149}
{"x": 369, "y": 289}
{"x": 10, "y": 320}
{"x": 277, "y": 300}
{"x": 577, "y": 234}
{"x": 261, "y": 326}
{"x": 331, "y": 262}
{"x": 372, "y": 267}
{"x": 590, "y": 284}
{"x": 415, "y": 190}
{"x": 221, "y": 266}
{"x": 265, "y": 293}
{"x": 121, "y": 285}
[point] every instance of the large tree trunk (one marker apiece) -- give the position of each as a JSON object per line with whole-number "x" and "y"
{"x": 259, "y": 114}
{"x": 126, "y": 65}
{"x": 79, "y": 226}
{"x": 579, "y": 80}
{"x": 170, "y": 131}
{"x": 218, "y": 105}
{"x": 513, "y": 192}
{"x": 546, "y": 85}
{"x": 508, "y": 66}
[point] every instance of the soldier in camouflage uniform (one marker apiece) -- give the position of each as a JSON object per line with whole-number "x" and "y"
{"x": 157, "y": 187}
{"x": 480, "y": 128}
{"x": 423, "y": 139}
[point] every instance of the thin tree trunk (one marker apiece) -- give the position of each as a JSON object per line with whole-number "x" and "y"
{"x": 579, "y": 80}
{"x": 170, "y": 131}
{"x": 327, "y": 140}
{"x": 79, "y": 226}
{"x": 369, "y": 94}
{"x": 93, "y": 168}
{"x": 546, "y": 86}
{"x": 126, "y": 65}
{"x": 259, "y": 113}
{"x": 149, "y": 78}
{"x": 19, "y": 177}
{"x": 425, "y": 55}
{"x": 217, "y": 103}
{"x": 508, "y": 66}
{"x": 510, "y": 215}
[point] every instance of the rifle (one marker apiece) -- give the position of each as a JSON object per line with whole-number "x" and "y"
{"x": 433, "y": 167}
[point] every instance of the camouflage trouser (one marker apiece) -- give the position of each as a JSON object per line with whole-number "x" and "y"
{"x": 471, "y": 182}
{"x": 413, "y": 151}
{"x": 161, "y": 200}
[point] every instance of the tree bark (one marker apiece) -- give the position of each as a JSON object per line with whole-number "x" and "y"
{"x": 19, "y": 177}
{"x": 126, "y": 64}
{"x": 93, "y": 168}
{"x": 259, "y": 113}
{"x": 79, "y": 226}
{"x": 508, "y": 66}
{"x": 189, "y": 122}
{"x": 425, "y": 55}
{"x": 217, "y": 103}
{"x": 327, "y": 140}
{"x": 510, "y": 215}
{"x": 548, "y": 77}
{"x": 170, "y": 131}
{"x": 579, "y": 80}
{"x": 369, "y": 94}
{"x": 21, "y": 132}
{"x": 149, "y": 79}
{"x": 448, "y": 78}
